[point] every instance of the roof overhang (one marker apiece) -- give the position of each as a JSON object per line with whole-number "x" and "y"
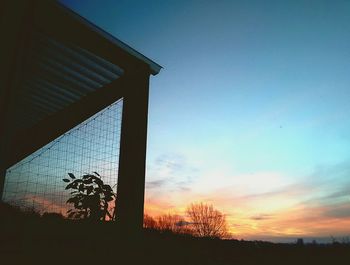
{"x": 155, "y": 68}
{"x": 64, "y": 69}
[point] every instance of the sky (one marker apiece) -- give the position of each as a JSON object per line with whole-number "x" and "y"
{"x": 250, "y": 111}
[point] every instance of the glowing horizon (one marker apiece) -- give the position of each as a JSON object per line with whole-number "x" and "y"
{"x": 294, "y": 210}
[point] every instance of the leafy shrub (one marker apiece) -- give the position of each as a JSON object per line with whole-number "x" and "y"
{"x": 90, "y": 197}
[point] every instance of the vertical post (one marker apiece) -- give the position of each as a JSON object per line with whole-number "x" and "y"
{"x": 132, "y": 156}
{"x": 2, "y": 180}
{"x": 13, "y": 25}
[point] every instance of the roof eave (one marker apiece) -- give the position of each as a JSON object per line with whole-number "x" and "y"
{"x": 154, "y": 67}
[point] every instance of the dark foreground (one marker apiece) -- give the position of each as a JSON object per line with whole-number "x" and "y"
{"x": 33, "y": 240}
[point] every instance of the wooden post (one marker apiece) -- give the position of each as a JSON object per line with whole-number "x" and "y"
{"x": 14, "y": 26}
{"x": 132, "y": 157}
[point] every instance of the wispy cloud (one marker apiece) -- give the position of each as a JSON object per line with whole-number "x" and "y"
{"x": 261, "y": 217}
{"x": 155, "y": 184}
{"x": 170, "y": 173}
{"x": 341, "y": 210}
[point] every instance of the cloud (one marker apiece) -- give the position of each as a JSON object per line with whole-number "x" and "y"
{"x": 184, "y": 188}
{"x": 171, "y": 161}
{"x": 290, "y": 190}
{"x": 170, "y": 173}
{"x": 331, "y": 173}
{"x": 156, "y": 183}
{"x": 338, "y": 211}
{"x": 261, "y": 217}
{"x": 329, "y": 195}
{"x": 344, "y": 192}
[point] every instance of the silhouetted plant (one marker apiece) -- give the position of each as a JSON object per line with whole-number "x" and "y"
{"x": 207, "y": 221}
{"x": 90, "y": 197}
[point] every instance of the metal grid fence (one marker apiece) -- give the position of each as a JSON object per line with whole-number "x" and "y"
{"x": 36, "y": 181}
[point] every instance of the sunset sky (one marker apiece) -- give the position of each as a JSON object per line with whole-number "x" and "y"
{"x": 250, "y": 112}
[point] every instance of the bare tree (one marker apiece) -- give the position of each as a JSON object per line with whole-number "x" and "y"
{"x": 207, "y": 221}
{"x": 170, "y": 222}
{"x": 149, "y": 222}
{"x": 166, "y": 222}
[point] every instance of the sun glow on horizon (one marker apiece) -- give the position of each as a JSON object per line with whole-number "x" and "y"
{"x": 261, "y": 205}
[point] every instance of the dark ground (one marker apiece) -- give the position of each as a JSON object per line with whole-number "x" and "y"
{"x": 29, "y": 239}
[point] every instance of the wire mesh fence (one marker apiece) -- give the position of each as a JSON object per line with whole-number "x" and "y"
{"x": 92, "y": 146}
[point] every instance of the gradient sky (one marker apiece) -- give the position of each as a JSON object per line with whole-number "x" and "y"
{"x": 251, "y": 111}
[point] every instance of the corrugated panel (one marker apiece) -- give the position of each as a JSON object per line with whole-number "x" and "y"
{"x": 57, "y": 76}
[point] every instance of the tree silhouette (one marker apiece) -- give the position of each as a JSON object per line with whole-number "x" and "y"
{"x": 203, "y": 221}
{"x": 207, "y": 221}
{"x": 90, "y": 197}
{"x": 149, "y": 222}
{"x": 170, "y": 222}
{"x": 167, "y": 223}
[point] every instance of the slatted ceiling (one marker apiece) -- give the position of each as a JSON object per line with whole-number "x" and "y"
{"x": 87, "y": 66}
{"x": 61, "y": 72}
{"x": 26, "y": 104}
{"x": 76, "y": 67}
{"x": 44, "y": 95}
{"x": 58, "y": 75}
{"x": 65, "y": 75}
{"x": 114, "y": 69}
{"x": 42, "y": 104}
{"x": 70, "y": 74}
{"x": 48, "y": 92}
{"x": 85, "y": 59}
{"x": 53, "y": 91}
{"x": 62, "y": 86}
{"x": 63, "y": 81}
{"x": 35, "y": 88}
{"x": 93, "y": 65}
{"x": 57, "y": 91}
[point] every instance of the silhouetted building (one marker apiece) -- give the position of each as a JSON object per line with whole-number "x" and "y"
{"x": 57, "y": 70}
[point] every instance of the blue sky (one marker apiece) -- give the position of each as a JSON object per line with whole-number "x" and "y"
{"x": 253, "y": 99}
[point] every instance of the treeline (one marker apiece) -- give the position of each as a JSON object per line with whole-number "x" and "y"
{"x": 201, "y": 220}
{"x": 91, "y": 199}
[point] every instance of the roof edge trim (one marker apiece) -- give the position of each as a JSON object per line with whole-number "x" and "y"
{"x": 155, "y": 68}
